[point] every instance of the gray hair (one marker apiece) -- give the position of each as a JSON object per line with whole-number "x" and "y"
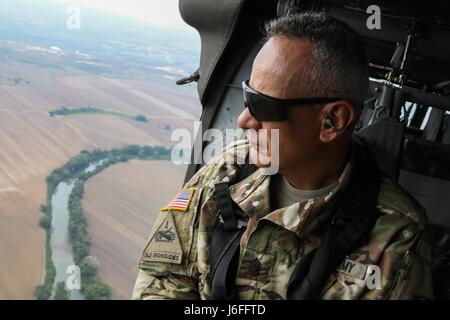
{"x": 339, "y": 67}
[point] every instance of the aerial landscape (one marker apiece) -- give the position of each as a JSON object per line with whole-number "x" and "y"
{"x": 64, "y": 93}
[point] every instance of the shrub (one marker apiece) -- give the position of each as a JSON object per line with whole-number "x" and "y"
{"x": 61, "y": 292}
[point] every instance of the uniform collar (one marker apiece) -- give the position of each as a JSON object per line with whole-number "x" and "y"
{"x": 252, "y": 195}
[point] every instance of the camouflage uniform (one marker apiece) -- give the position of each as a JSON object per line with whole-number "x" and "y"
{"x": 276, "y": 240}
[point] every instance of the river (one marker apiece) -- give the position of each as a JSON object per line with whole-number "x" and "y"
{"x": 62, "y": 254}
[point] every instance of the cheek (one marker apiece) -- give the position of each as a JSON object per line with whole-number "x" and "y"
{"x": 292, "y": 142}
{"x": 268, "y": 132}
{"x": 274, "y": 137}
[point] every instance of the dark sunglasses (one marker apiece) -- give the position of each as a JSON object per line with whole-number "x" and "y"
{"x": 266, "y": 108}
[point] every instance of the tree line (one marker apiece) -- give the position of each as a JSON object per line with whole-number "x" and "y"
{"x": 75, "y": 171}
{"x": 64, "y": 111}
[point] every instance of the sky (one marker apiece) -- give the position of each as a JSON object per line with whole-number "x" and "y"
{"x": 162, "y": 12}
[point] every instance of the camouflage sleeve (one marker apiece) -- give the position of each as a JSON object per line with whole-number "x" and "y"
{"x": 414, "y": 280}
{"x": 405, "y": 268}
{"x": 167, "y": 269}
{"x": 163, "y": 285}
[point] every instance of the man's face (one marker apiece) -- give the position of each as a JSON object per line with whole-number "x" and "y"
{"x": 277, "y": 72}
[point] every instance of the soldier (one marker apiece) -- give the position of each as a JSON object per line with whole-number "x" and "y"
{"x": 329, "y": 225}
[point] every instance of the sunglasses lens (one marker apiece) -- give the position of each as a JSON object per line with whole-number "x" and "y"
{"x": 263, "y": 109}
{"x": 266, "y": 108}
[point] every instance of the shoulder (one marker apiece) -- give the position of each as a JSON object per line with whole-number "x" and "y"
{"x": 223, "y": 167}
{"x": 403, "y": 224}
{"x": 394, "y": 201}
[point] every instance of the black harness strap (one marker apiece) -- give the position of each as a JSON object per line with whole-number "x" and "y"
{"x": 225, "y": 241}
{"x": 226, "y": 206}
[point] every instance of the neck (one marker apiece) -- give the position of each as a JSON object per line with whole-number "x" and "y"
{"x": 322, "y": 171}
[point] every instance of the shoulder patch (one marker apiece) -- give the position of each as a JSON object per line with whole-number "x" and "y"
{"x": 181, "y": 201}
{"x": 164, "y": 246}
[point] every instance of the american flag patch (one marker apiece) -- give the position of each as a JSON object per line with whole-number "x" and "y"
{"x": 181, "y": 201}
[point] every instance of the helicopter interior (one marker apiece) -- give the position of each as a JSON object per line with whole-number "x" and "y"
{"x": 406, "y": 118}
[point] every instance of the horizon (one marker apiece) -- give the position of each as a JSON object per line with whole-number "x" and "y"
{"x": 159, "y": 12}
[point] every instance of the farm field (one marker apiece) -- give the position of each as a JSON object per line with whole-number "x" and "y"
{"x": 121, "y": 204}
{"x": 118, "y": 63}
{"x": 32, "y": 144}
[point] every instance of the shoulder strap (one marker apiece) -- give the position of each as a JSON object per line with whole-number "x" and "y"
{"x": 355, "y": 215}
{"x": 225, "y": 240}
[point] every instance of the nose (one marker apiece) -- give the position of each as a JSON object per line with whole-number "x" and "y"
{"x": 247, "y": 121}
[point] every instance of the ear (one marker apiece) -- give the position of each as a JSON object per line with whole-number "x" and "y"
{"x": 342, "y": 116}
